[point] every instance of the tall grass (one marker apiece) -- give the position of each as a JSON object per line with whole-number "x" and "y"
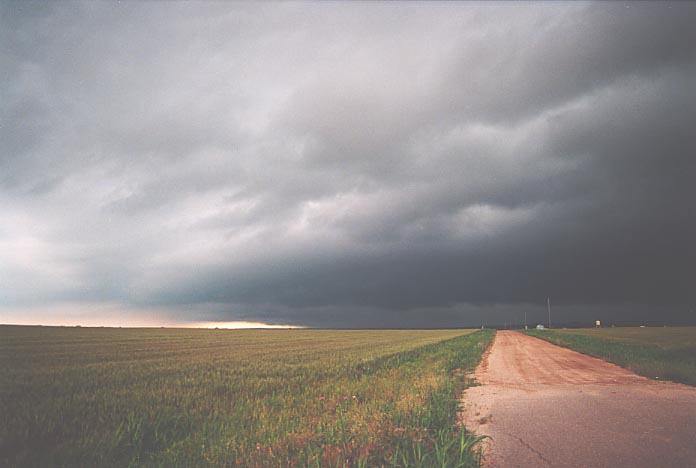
{"x": 662, "y": 353}
{"x": 158, "y": 397}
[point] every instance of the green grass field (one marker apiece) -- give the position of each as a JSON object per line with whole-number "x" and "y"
{"x": 667, "y": 353}
{"x": 183, "y": 397}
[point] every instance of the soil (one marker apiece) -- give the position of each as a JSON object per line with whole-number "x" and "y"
{"x": 544, "y": 405}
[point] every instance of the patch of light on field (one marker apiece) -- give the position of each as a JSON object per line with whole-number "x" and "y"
{"x": 239, "y": 325}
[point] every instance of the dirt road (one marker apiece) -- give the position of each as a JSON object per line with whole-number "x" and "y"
{"x": 544, "y": 405}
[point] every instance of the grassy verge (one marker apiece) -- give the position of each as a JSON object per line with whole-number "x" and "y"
{"x": 109, "y": 397}
{"x": 663, "y": 353}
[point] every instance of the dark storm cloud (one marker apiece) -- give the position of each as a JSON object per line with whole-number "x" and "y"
{"x": 349, "y": 164}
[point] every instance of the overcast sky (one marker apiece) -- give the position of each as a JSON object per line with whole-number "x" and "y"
{"x": 347, "y": 164}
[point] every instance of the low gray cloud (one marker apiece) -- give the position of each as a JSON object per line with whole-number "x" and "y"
{"x": 348, "y": 164}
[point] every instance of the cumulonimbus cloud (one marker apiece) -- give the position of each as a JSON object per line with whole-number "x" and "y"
{"x": 347, "y": 164}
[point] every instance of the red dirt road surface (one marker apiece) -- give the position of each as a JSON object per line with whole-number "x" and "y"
{"x": 544, "y": 405}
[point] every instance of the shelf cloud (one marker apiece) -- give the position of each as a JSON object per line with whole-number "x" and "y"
{"x": 347, "y": 164}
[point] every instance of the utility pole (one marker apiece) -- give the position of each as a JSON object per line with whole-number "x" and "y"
{"x": 548, "y": 307}
{"x": 525, "y": 319}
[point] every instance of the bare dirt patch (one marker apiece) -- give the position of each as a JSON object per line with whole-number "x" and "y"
{"x": 543, "y": 405}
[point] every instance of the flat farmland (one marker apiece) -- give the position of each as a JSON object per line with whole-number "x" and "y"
{"x": 667, "y": 353}
{"x": 192, "y": 397}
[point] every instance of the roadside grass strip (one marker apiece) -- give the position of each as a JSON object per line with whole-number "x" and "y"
{"x": 656, "y": 353}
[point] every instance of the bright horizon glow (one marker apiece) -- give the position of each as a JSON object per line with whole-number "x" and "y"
{"x": 128, "y": 323}
{"x": 116, "y": 315}
{"x": 240, "y": 325}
